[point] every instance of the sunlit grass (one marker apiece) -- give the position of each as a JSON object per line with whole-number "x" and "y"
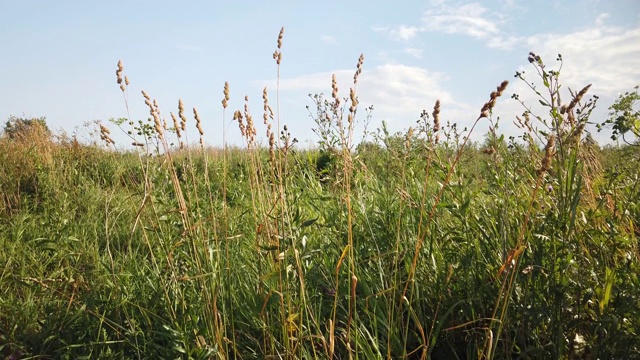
{"x": 419, "y": 244}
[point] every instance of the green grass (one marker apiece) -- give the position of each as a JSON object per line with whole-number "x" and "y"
{"x": 394, "y": 248}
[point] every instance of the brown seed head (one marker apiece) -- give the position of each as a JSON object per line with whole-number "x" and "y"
{"x": 548, "y": 155}
{"x": 280, "y": 35}
{"x": 334, "y": 86}
{"x": 436, "y": 116}
{"x": 578, "y": 97}
{"x": 408, "y": 138}
{"x": 183, "y": 118}
{"x": 157, "y": 123}
{"x": 576, "y": 135}
{"x": 119, "y": 72}
{"x": 198, "y": 122}
{"x": 176, "y": 125}
{"x": 358, "y": 69}
{"x": 502, "y": 87}
{"x": 488, "y": 106}
{"x": 225, "y": 100}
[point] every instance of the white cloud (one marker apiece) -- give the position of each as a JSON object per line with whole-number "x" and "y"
{"x": 398, "y": 93}
{"x": 472, "y": 19}
{"x": 601, "y": 18}
{"x": 503, "y": 43}
{"x": 328, "y": 39}
{"x": 608, "y": 57}
{"x": 416, "y": 53}
{"x": 467, "y": 20}
{"x": 400, "y": 32}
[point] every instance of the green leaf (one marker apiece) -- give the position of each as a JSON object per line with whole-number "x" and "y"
{"x": 308, "y": 222}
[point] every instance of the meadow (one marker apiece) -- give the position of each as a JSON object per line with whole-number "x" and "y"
{"x": 420, "y": 244}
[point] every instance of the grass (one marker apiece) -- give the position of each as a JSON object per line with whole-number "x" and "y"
{"x": 419, "y": 244}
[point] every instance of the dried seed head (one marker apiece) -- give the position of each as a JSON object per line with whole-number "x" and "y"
{"x": 436, "y": 116}
{"x": 488, "y": 106}
{"x": 277, "y": 55}
{"x": 576, "y": 135}
{"x": 183, "y": 118}
{"x": 548, "y": 155}
{"x": 334, "y": 86}
{"x": 157, "y": 124}
{"x": 272, "y": 142}
{"x": 237, "y": 115}
{"x": 176, "y": 125}
{"x": 502, "y": 87}
{"x": 225, "y": 100}
{"x": 489, "y": 150}
{"x": 104, "y": 130}
{"x": 408, "y": 138}
{"x": 358, "y": 69}
{"x": 119, "y": 72}
{"x": 146, "y": 96}
{"x": 280, "y": 38}
{"x": 126, "y": 80}
{"x": 578, "y": 97}
{"x": 198, "y": 122}
{"x": 268, "y": 112}
{"x": 354, "y": 102}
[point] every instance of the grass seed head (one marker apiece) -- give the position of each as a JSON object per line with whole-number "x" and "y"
{"x": 119, "y": 72}
{"x": 225, "y": 100}
{"x": 436, "y": 116}
{"x": 358, "y": 69}
{"x": 489, "y": 105}
{"x": 280, "y": 36}
{"x": 277, "y": 55}
{"x": 183, "y": 118}
{"x": 548, "y": 155}
{"x": 198, "y": 122}
{"x": 334, "y": 91}
{"x": 578, "y": 97}
{"x": 176, "y": 125}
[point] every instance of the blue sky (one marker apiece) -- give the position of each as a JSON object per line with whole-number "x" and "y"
{"x": 59, "y": 57}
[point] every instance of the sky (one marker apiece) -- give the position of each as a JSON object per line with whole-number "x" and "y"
{"x": 59, "y": 58}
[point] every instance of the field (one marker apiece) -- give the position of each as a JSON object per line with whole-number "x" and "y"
{"x": 421, "y": 244}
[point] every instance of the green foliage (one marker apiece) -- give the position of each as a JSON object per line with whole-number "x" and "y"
{"x": 20, "y": 128}
{"x": 624, "y": 116}
{"x": 404, "y": 246}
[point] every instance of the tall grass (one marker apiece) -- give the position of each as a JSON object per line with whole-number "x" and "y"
{"x": 419, "y": 244}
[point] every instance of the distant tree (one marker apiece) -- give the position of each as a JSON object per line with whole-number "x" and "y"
{"x": 20, "y": 128}
{"x": 624, "y": 116}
